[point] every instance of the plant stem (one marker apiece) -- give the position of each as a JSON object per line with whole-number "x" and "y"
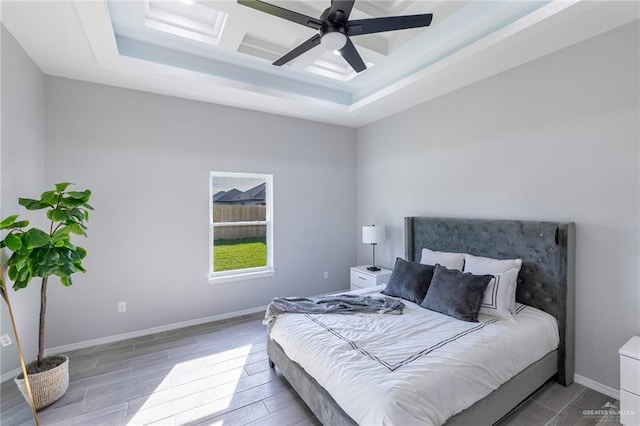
{"x": 43, "y": 302}
{"x": 43, "y": 311}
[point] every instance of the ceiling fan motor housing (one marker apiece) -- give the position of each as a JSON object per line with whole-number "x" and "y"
{"x": 333, "y": 36}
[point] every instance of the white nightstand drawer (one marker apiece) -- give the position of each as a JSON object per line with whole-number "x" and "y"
{"x": 629, "y": 408}
{"x": 361, "y": 277}
{"x": 630, "y": 374}
{"x": 361, "y": 280}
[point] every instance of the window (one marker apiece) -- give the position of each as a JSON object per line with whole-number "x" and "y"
{"x": 240, "y": 226}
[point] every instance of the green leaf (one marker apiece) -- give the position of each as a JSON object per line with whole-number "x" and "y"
{"x": 58, "y": 215}
{"x": 68, "y": 244}
{"x": 8, "y": 221}
{"x": 60, "y": 236}
{"x": 71, "y": 202}
{"x": 66, "y": 280}
{"x": 13, "y": 242}
{"x": 78, "y": 267}
{"x": 31, "y": 204}
{"x": 16, "y": 225}
{"x": 21, "y": 224}
{"x": 52, "y": 258}
{"x": 84, "y": 195}
{"x": 49, "y": 197}
{"x": 44, "y": 270}
{"x": 77, "y": 213}
{"x": 34, "y": 238}
{"x": 82, "y": 252}
{"x": 62, "y": 186}
{"x": 13, "y": 272}
{"x": 18, "y": 260}
{"x": 38, "y": 257}
{"x": 20, "y": 276}
{"x": 18, "y": 284}
{"x": 76, "y": 228}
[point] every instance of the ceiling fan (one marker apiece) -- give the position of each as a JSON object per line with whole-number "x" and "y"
{"x": 335, "y": 29}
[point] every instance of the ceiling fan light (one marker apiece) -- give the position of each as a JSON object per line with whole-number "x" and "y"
{"x": 333, "y": 41}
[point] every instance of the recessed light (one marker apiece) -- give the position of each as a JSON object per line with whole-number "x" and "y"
{"x": 187, "y": 2}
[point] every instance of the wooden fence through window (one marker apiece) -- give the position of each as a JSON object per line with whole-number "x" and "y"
{"x": 235, "y": 213}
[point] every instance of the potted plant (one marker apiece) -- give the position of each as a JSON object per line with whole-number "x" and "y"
{"x": 43, "y": 253}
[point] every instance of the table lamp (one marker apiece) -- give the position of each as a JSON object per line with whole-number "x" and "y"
{"x": 372, "y": 234}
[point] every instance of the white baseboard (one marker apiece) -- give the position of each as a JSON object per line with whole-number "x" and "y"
{"x": 10, "y": 374}
{"x": 110, "y": 339}
{"x": 596, "y": 386}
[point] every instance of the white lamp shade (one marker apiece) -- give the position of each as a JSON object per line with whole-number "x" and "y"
{"x": 372, "y": 234}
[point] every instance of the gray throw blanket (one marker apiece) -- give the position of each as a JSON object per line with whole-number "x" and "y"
{"x": 349, "y": 304}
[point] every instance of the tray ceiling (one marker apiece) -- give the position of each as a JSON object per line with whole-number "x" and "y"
{"x": 220, "y": 51}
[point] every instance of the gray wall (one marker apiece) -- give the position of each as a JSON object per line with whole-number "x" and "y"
{"x": 554, "y": 139}
{"x": 22, "y": 175}
{"x": 147, "y": 159}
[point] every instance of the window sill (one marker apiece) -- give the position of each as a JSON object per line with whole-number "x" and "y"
{"x": 242, "y": 276}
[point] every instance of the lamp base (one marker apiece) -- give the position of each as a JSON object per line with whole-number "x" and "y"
{"x": 373, "y": 268}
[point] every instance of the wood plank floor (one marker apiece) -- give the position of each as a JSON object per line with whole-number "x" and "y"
{"x": 218, "y": 374}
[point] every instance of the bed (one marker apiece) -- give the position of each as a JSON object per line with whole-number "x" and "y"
{"x": 545, "y": 283}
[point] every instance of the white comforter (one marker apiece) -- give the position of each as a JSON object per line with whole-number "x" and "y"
{"x": 421, "y": 367}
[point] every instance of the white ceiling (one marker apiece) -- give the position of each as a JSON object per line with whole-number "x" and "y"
{"x": 221, "y": 52}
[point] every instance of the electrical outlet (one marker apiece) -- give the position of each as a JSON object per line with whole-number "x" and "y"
{"x": 6, "y": 340}
{"x": 122, "y": 307}
{"x": 326, "y": 275}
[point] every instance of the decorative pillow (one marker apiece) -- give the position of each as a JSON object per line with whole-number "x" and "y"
{"x": 409, "y": 280}
{"x": 487, "y": 265}
{"x": 499, "y": 295}
{"x": 446, "y": 259}
{"x": 456, "y": 293}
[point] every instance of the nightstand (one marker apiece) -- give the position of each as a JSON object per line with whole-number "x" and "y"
{"x": 630, "y": 382}
{"x": 361, "y": 277}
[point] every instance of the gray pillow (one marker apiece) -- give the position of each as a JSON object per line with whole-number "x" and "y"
{"x": 409, "y": 280}
{"x": 456, "y": 293}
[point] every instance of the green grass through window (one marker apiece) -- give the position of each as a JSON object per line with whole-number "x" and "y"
{"x": 239, "y": 254}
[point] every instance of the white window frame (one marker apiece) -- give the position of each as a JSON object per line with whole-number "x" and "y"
{"x": 246, "y": 273}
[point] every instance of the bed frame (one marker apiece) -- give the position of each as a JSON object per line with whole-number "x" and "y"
{"x": 546, "y": 282}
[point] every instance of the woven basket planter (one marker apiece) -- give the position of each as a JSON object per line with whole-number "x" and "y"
{"x": 47, "y": 387}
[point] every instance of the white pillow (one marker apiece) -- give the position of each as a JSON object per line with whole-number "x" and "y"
{"x": 499, "y": 295}
{"x": 446, "y": 259}
{"x": 485, "y": 265}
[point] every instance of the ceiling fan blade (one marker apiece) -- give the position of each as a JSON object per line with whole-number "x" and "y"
{"x": 343, "y": 6}
{"x": 351, "y": 55}
{"x": 392, "y": 23}
{"x": 280, "y": 12}
{"x": 307, "y": 45}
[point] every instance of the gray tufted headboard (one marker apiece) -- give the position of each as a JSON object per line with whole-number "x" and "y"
{"x": 546, "y": 279}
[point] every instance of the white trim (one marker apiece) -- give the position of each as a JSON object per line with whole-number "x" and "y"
{"x": 596, "y": 386}
{"x": 10, "y": 374}
{"x": 153, "y": 330}
{"x": 253, "y": 222}
{"x": 240, "y": 276}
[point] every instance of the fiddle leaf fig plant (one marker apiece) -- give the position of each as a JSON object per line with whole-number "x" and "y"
{"x": 43, "y": 253}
